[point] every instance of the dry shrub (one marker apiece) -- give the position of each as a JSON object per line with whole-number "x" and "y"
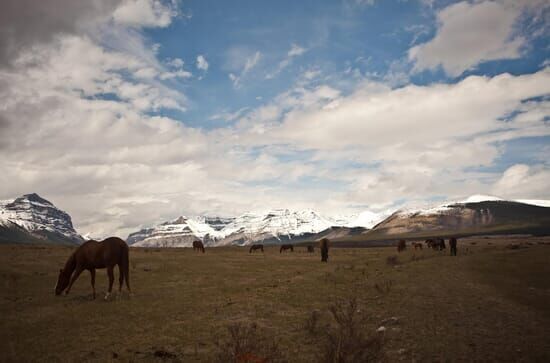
{"x": 311, "y": 324}
{"x": 384, "y": 287}
{"x": 345, "y": 340}
{"x": 392, "y": 260}
{"x": 245, "y": 343}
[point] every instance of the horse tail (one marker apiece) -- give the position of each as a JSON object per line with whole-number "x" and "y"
{"x": 125, "y": 263}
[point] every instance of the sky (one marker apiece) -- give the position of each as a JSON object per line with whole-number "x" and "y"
{"x": 126, "y": 113}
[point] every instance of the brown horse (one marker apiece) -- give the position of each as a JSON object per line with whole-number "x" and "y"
{"x": 91, "y": 255}
{"x": 417, "y": 245}
{"x": 198, "y": 246}
{"x": 310, "y": 249}
{"x": 323, "y": 244}
{"x": 401, "y": 245}
{"x": 286, "y": 247}
{"x": 256, "y": 247}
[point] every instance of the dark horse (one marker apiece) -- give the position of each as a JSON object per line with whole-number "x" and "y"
{"x": 310, "y": 249}
{"x": 452, "y": 244}
{"x": 198, "y": 246}
{"x": 286, "y": 247}
{"x": 256, "y": 247}
{"x": 323, "y": 244}
{"x": 401, "y": 245}
{"x": 91, "y": 255}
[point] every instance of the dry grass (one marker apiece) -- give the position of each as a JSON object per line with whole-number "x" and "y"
{"x": 492, "y": 304}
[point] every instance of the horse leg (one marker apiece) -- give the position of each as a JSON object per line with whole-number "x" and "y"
{"x": 92, "y": 273}
{"x": 120, "y": 278}
{"x": 111, "y": 280}
{"x": 77, "y": 273}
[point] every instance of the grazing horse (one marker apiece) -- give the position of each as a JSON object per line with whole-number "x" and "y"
{"x": 91, "y": 255}
{"x": 452, "y": 245}
{"x": 323, "y": 244}
{"x": 401, "y": 245}
{"x": 310, "y": 249}
{"x": 417, "y": 245}
{"x": 286, "y": 247}
{"x": 256, "y": 247}
{"x": 198, "y": 246}
{"x": 440, "y": 243}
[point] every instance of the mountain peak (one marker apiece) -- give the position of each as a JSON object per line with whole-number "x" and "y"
{"x": 33, "y": 198}
{"x": 40, "y": 218}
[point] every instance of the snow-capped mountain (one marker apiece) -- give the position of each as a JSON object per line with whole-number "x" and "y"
{"x": 33, "y": 217}
{"x": 180, "y": 232}
{"x": 271, "y": 226}
{"x": 274, "y": 225}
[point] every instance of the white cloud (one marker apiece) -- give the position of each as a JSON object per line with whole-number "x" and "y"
{"x": 469, "y": 34}
{"x": 202, "y": 64}
{"x": 296, "y": 50}
{"x": 144, "y": 13}
{"x": 524, "y": 181}
{"x": 175, "y": 62}
{"x": 251, "y": 62}
{"x": 242, "y": 61}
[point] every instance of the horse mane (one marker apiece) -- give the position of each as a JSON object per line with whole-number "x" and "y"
{"x": 70, "y": 265}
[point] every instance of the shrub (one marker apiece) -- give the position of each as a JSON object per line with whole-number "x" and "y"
{"x": 312, "y": 322}
{"x": 345, "y": 340}
{"x": 245, "y": 343}
{"x": 384, "y": 287}
{"x": 392, "y": 260}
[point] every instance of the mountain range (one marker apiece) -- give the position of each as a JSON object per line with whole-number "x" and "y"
{"x": 31, "y": 218}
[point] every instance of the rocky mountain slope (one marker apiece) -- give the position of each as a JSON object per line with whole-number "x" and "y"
{"x": 472, "y": 216}
{"x": 31, "y": 218}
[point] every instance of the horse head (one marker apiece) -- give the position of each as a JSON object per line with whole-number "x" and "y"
{"x": 62, "y": 282}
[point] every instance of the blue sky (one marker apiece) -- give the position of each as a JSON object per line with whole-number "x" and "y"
{"x": 146, "y": 110}
{"x": 336, "y": 36}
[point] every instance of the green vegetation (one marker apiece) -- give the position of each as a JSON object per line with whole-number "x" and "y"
{"x": 491, "y": 303}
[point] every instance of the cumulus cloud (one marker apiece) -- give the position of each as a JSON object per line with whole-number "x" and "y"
{"x": 469, "y": 34}
{"x": 144, "y": 13}
{"x": 24, "y": 23}
{"x": 202, "y": 64}
{"x": 524, "y": 181}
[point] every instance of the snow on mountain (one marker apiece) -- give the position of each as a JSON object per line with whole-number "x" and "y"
{"x": 537, "y": 202}
{"x": 366, "y": 219}
{"x": 180, "y": 232}
{"x": 38, "y": 217}
{"x": 276, "y": 223}
{"x": 477, "y": 198}
{"x": 245, "y": 229}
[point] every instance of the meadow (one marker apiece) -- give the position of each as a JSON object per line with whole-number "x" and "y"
{"x": 490, "y": 303}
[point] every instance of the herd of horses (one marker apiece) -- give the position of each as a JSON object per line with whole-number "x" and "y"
{"x": 437, "y": 244}
{"x": 113, "y": 251}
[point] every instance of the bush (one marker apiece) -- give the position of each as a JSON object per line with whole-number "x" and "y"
{"x": 392, "y": 260}
{"x": 246, "y": 344}
{"x": 384, "y": 287}
{"x": 345, "y": 340}
{"x": 312, "y": 322}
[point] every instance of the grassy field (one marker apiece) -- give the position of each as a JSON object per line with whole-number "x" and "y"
{"x": 490, "y": 303}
